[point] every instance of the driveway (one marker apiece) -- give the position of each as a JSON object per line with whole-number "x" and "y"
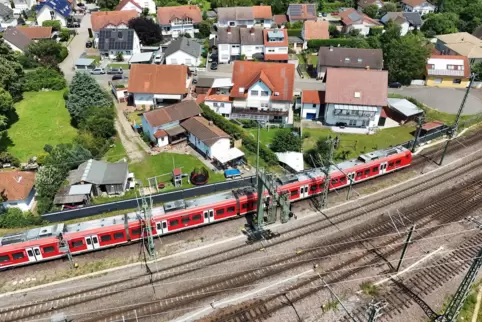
{"x": 76, "y": 48}
{"x": 446, "y": 100}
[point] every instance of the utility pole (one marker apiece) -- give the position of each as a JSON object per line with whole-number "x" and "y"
{"x": 375, "y": 308}
{"x": 145, "y": 208}
{"x": 420, "y": 120}
{"x": 257, "y": 153}
{"x": 453, "y": 132}
{"x": 64, "y": 247}
{"x": 333, "y": 144}
{"x": 405, "y": 247}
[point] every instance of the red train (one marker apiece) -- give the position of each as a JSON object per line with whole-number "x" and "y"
{"x": 41, "y": 244}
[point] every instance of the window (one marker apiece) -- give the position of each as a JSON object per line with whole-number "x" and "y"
{"x": 294, "y": 193}
{"x": 196, "y": 217}
{"x": 264, "y": 105}
{"x": 174, "y": 222}
{"x": 232, "y": 23}
{"x": 314, "y": 105}
{"x": 314, "y": 187}
{"x": 215, "y": 104}
{"x": 254, "y": 93}
{"x": 135, "y": 232}
{"x": 270, "y": 50}
{"x": 18, "y": 256}
{"x": 352, "y": 123}
{"x": 347, "y": 60}
{"x": 367, "y": 172}
{"x": 29, "y": 253}
{"x": 49, "y": 249}
{"x": 334, "y": 181}
{"x": 173, "y": 61}
{"x": 431, "y": 66}
{"x": 231, "y": 209}
{"x": 185, "y": 220}
{"x": 37, "y": 252}
{"x": 188, "y": 61}
{"x": 128, "y": 52}
{"x": 4, "y": 258}
{"x": 219, "y": 211}
{"x": 437, "y": 80}
{"x": 358, "y": 174}
{"x": 77, "y": 243}
{"x": 118, "y": 235}
{"x": 105, "y": 238}
{"x": 342, "y": 179}
{"x": 89, "y": 242}
{"x": 264, "y": 93}
{"x": 164, "y": 225}
{"x": 221, "y": 104}
{"x": 119, "y": 34}
{"x": 359, "y": 60}
{"x": 397, "y": 162}
{"x": 457, "y": 81}
{"x": 244, "y": 206}
{"x": 390, "y": 164}
{"x": 375, "y": 169}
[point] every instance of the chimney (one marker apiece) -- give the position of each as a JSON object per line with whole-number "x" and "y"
{"x": 229, "y": 29}
{"x": 275, "y": 29}
{"x": 251, "y": 30}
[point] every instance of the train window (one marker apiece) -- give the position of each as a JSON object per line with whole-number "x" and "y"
{"x": 390, "y": 164}
{"x": 231, "y": 209}
{"x": 294, "y": 193}
{"x": 196, "y": 217}
{"x": 77, "y": 243}
{"x": 342, "y": 179}
{"x": 367, "y": 172}
{"x": 174, "y": 222}
{"x": 398, "y": 162}
{"x": 4, "y": 258}
{"x": 359, "y": 174}
{"x": 18, "y": 255}
{"x": 136, "y": 231}
{"x": 334, "y": 181}
{"x": 164, "y": 225}
{"x": 29, "y": 253}
{"x": 105, "y": 238}
{"x": 185, "y": 220}
{"x": 251, "y": 204}
{"x": 375, "y": 169}
{"x": 321, "y": 186}
{"x": 244, "y": 206}
{"x": 314, "y": 187}
{"x": 37, "y": 252}
{"x": 219, "y": 211}
{"x": 118, "y": 235}
{"x": 49, "y": 249}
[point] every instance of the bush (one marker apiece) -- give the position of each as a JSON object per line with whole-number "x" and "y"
{"x": 55, "y": 24}
{"x": 15, "y": 218}
{"x": 331, "y": 7}
{"x": 66, "y": 94}
{"x": 41, "y": 78}
{"x": 249, "y": 124}
{"x": 376, "y": 30}
{"x": 294, "y": 32}
{"x": 338, "y": 42}
{"x": 64, "y": 34}
{"x": 6, "y": 157}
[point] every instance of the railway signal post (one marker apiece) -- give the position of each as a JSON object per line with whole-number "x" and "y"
{"x": 420, "y": 120}
{"x": 333, "y": 144}
{"x": 145, "y": 208}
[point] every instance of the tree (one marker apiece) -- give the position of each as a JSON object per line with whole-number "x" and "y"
{"x": 147, "y": 30}
{"x": 6, "y": 103}
{"x": 107, "y": 4}
{"x": 85, "y": 92}
{"x": 96, "y": 145}
{"x": 119, "y": 57}
{"x": 285, "y": 141}
{"x": 334, "y": 33}
{"x": 477, "y": 69}
{"x": 388, "y": 7}
{"x": 145, "y": 12}
{"x": 47, "y": 182}
{"x": 440, "y": 23}
{"x": 319, "y": 154}
{"x": 64, "y": 34}
{"x": 99, "y": 122}
{"x": 371, "y": 10}
{"x": 67, "y": 156}
{"x": 205, "y": 29}
{"x": 11, "y": 72}
{"x": 55, "y": 24}
{"x": 48, "y": 51}
{"x": 43, "y": 77}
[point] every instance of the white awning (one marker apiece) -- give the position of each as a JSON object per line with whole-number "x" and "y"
{"x": 356, "y": 107}
{"x": 231, "y": 154}
{"x": 292, "y": 159}
{"x": 222, "y": 82}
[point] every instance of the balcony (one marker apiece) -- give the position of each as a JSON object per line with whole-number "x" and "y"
{"x": 255, "y": 111}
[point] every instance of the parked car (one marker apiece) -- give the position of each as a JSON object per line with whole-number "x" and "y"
{"x": 115, "y": 71}
{"x": 117, "y": 77}
{"x": 214, "y": 66}
{"x": 88, "y": 44}
{"x": 395, "y": 85}
{"x": 98, "y": 71}
{"x": 194, "y": 81}
{"x": 73, "y": 24}
{"x": 158, "y": 59}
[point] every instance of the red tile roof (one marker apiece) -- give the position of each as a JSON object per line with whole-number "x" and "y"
{"x": 160, "y": 133}
{"x": 316, "y": 30}
{"x": 414, "y": 3}
{"x": 312, "y": 97}
{"x": 124, "y": 2}
{"x": 280, "y": 19}
{"x": 356, "y": 86}
{"x": 283, "y": 43}
{"x": 36, "y": 32}
{"x": 16, "y": 185}
{"x": 432, "y": 125}
{"x": 172, "y": 113}
{"x": 275, "y": 57}
{"x": 158, "y": 79}
{"x": 262, "y": 12}
{"x": 200, "y": 98}
{"x": 101, "y": 19}
{"x": 166, "y": 14}
{"x": 281, "y": 77}
{"x": 459, "y": 57}
{"x": 347, "y": 20}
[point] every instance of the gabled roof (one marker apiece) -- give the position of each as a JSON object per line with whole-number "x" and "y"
{"x": 102, "y": 19}
{"x": 99, "y": 172}
{"x": 172, "y": 113}
{"x": 262, "y": 12}
{"x": 5, "y": 12}
{"x": 235, "y": 13}
{"x": 183, "y": 44}
{"x": 62, "y": 7}
{"x": 16, "y": 38}
{"x": 205, "y": 131}
{"x": 158, "y": 79}
{"x": 350, "y": 57}
{"x": 356, "y": 86}
{"x": 312, "y": 97}
{"x": 281, "y": 77}
{"x": 36, "y": 32}
{"x": 166, "y": 14}
{"x": 116, "y": 39}
{"x": 413, "y": 18}
{"x": 302, "y": 11}
{"x": 351, "y": 16}
{"x": 16, "y": 185}
{"x": 415, "y": 3}
{"x": 274, "y": 32}
{"x": 123, "y": 3}
{"x": 440, "y": 63}
{"x": 316, "y": 30}
{"x": 228, "y": 35}
{"x": 463, "y": 43}
{"x": 251, "y": 36}
{"x": 280, "y": 19}
{"x": 367, "y": 3}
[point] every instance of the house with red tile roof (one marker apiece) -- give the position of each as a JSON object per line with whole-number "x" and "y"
{"x": 314, "y": 30}
{"x": 275, "y": 45}
{"x": 355, "y": 97}
{"x": 158, "y": 85}
{"x": 245, "y": 16}
{"x": 311, "y": 105}
{"x": 421, "y": 6}
{"x": 301, "y": 12}
{"x": 354, "y": 20}
{"x": 176, "y": 21}
{"x": 17, "y": 189}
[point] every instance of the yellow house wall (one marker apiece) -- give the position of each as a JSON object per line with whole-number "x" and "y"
{"x": 447, "y": 82}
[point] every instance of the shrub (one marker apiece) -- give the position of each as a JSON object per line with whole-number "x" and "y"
{"x": 338, "y": 42}
{"x": 64, "y": 34}
{"x": 6, "y": 157}
{"x": 15, "y": 218}
{"x": 55, "y": 24}
{"x": 376, "y": 30}
{"x": 42, "y": 78}
{"x": 294, "y": 32}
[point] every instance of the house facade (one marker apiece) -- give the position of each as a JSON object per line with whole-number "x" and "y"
{"x": 312, "y": 102}
{"x": 407, "y": 21}
{"x": 447, "y": 71}
{"x": 301, "y": 12}
{"x": 158, "y": 85}
{"x": 7, "y": 18}
{"x": 137, "y": 5}
{"x": 53, "y": 10}
{"x": 183, "y": 51}
{"x": 17, "y": 189}
{"x": 113, "y": 41}
{"x": 355, "y": 97}
{"x": 110, "y": 20}
{"x": 276, "y": 45}
{"x": 421, "y": 6}
{"x": 461, "y": 44}
{"x": 233, "y": 42}
{"x": 176, "y": 21}
{"x": 218, "y": 97}
{"x": 354, "y": 20}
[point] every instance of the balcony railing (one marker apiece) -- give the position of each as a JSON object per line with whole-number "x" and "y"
{"x": 255, "y": 111}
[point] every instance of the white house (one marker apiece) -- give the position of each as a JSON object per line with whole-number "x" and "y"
{"x": 406, "y": 20}
{"x": 354, "y": 20}
{"x": 158, "y": 85}
{"x": 53, "y": 10}
{"x": 245, "y": 16}
{"x": 21, "y": 5}
{"x": 6, "y": 16}
{"x": 16, "y": 40}
{"x": 311, "y": 103}
{"x": 217, "y": 97}
{"x": 163, "y": 125}
{"x": 113, "y": 42}
{"x": 421, "y": 6}
{"x": 183, "y": 51}
{"x": 110, "y": 20}
{"x": 179, "y": 20}
{"x": 275, "y": 45}
{"x": 137, "y": 5}
{"x": 232, "y": 42}
{"x": 355, "y": 97}
{"x": 17, "y": 189}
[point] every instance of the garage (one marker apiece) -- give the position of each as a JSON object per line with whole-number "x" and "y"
{"x": 310, "y": 116}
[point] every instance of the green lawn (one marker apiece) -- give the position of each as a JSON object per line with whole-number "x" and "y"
{"x": 96, "y": 58}
{"x": 314, "y": 60}
{"x": 119, "y": 65}
{"x": 43, "y": 119}
{"x": 135, "y": 117}
{"x": 115, "y": 152}
{"x": 266, "y": 135}
{"x": 163, "y": 163}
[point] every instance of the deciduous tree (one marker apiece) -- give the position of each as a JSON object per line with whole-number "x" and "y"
{"x": 286, "y": 140}
{"x": 388, "y": 7}
{"x": 48, "y": 51}
{"x": 148, "y": 31}
{"x": 371, "y": 10}
{"x": 440, "y": 23}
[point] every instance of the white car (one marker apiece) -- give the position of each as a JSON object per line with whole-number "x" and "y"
{"x": 158, "y": 59}
{"x": 97, "y": 71}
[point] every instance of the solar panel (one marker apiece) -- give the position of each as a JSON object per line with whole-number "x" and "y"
{"x": 354, "y": 16}
{"x": 311, "y": 9}
{"x": 116, "y": 39}
{"x": 296, "y": 9}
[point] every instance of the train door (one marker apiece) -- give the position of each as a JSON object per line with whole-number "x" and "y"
{"x": 37, "y": 253}
{"x": 161, "y": 227}
{"x": 88, "y": 243}
{"x": 206, "y": 216}
{"x": 351, "y": 178}
{"x": 383, "y": 167}
{"x": 211, "y": 215}
{"x": 304, "y": 191}
{"x": 30, "y": 255}
{"x": 92, "y": 242}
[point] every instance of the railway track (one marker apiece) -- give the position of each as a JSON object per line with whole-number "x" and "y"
{"x": 46, "y": 306}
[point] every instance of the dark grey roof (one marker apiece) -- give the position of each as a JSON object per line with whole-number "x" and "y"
{"x": 350, "y": 57}
{"x": 413, "y": 18}
{"x": 235, "y": 13}
{"x": 5, "y": 12}
{"x": 16, "y": 38}
{"x": 186, "y": 45}
{"x": 225, "y": 37}
{"x": 116, "y": 39}
{"x": 99, "y": 172}
{"x": 205, "y": 82}
{"x": 251, "y": 36}
{"x": 211, "y": 14}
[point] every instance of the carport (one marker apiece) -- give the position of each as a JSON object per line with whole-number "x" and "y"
{"x": 84, "y": 64}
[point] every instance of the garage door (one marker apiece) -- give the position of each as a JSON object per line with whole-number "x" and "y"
{"x": 310, "y": 116}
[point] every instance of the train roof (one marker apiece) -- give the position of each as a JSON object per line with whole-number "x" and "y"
{"x": 32, "y": 234}
{"x": 202, "y": 201}
{"x": 103, "y": 222}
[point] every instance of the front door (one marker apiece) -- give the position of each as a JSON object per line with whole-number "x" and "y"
{"x": 88, "y": 242}
{"x": 31, "y": 256}
{"x": 383, "y": 168}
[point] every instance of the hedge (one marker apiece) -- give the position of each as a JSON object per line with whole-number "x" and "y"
{"x": 338, "y": 42}
{"x": 238, "y": 133}
{"x": 376, "y": 30}
{"x": 294, "y": 32}
{"x": 331, "y": 7}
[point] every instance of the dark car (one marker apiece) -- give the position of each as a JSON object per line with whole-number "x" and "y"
{"x": 395, "y": 85}
{"x": 73, "y": 24}
{"x": 117, "y": 77}
{"x": 115, "y": 71}
{"x": 214, "y": 66}
{"x": 194, "y": 81}
{"x": 88, "y": 44}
